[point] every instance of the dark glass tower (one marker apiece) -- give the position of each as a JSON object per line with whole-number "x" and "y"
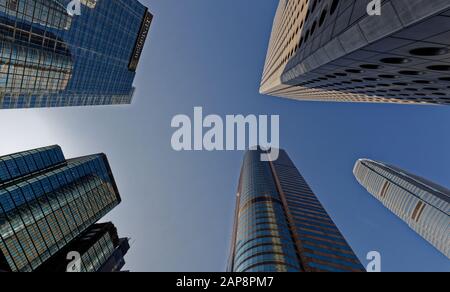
{"x": 100, "y": 249}
{"x": 116, "y": 261}
{"x": 51, "y": 59}
{"x": 280, "y": 225}
{"x": 47, "y": 201}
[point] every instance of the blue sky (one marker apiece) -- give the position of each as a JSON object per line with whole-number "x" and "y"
{"x": 178, "y": 206}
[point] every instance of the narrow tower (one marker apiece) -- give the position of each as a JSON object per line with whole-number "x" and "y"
{"x": 280, "y": 225}
{"x": 423, "y": 205}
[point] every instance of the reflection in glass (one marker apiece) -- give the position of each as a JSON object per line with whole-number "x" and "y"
{"x": 51, "y": 59}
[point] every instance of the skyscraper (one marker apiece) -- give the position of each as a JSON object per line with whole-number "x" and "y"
{"x": 49, "y": 58}
{"x": 423, "y": 205}
{"x": 116, "y": 261}
{"x": 47, "y": 201}
{"x": 100, "y": 250}
{"x": 333, "y": 50}
{"x": 280, "y": 225}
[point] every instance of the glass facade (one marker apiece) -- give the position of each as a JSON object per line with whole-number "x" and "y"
{"x": 280, "y": 226}
{"x": 116, "y": 261}
{"x": 46, "y": 201}
{"x": 51, "y": 59}
{"x": 423, "y": 205}
{"x": 98, "y": 247}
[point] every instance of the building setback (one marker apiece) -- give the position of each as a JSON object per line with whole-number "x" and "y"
{"x": 280, "y": 225}
{"x": 423, "y": 205}
{"x": 47, "y": 201}
{"x": 333, "y": 50}
{"x": 49, "y": 58}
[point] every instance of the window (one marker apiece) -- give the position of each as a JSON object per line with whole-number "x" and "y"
{"x": 334, "y": 6}
{"x": 418, "y": 211}
{"x": 384, "y": 189}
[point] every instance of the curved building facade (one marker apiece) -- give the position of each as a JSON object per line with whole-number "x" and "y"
{"x": 334, "y": 51}
{"x": 280, "y": 226}
{"x": 263, "y": 239}
{"x": 423, "y": 205}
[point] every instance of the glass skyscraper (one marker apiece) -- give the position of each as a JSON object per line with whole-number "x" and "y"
{"x": 280, "y": 225}
{"x": 100, "y": 250}
{"x": 423, "y": 205}
{"x": 47, "y": 201}
{"x": 49, "y": 58}
{"x": 116, "y": 261}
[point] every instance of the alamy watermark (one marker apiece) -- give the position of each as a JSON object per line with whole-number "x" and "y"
{"x": 374, "y": 265}
{"x": 374, "y": 258}
{"x": 212, "y": 133}
{"x": 74, "y": 265}
{"x": 374, "y": 8}
{"x": 74, "y": 7}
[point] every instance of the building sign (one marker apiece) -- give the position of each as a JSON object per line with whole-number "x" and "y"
{"x": 140, "y": 42}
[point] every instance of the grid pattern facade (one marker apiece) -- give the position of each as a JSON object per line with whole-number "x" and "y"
{"x": 93, "y": 259}
{"x": 116, "y": 261}
{"x": 280, "y": 226}
{"x": 322, "y": 246}
{"x": 50, "y": 13}
{"x": 423, "y": 205}
{"x": 332, "y": 50}
{"x": 46, "y": 201}
{"x": 51, "y": 59}
{"x": 96, "y": 246}
{"x": 263, "y": 241}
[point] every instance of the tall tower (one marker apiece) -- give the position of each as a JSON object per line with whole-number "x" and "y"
{"x": 47, "y": 201}
{"x": 423, "y": 205}
{"x": 333, "y": 50}
{"x": 49, "y": 58}
{"x": 280, "y": 225}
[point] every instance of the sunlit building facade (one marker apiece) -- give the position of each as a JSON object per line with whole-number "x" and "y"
{"x": 336, "y": 50}
{"x": 49, "y": 58}
{"x": 422, "y": 204}
{"x": 47, "y": 201}
{"x": 280, "y": 225}
{"x": 48, "y": 13}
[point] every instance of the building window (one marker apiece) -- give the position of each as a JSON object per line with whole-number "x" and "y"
{"x": 384, "y": 189}
{"x": 418, "y": 211}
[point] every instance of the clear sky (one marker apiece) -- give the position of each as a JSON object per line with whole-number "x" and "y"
{"x": 178, "y": 206}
